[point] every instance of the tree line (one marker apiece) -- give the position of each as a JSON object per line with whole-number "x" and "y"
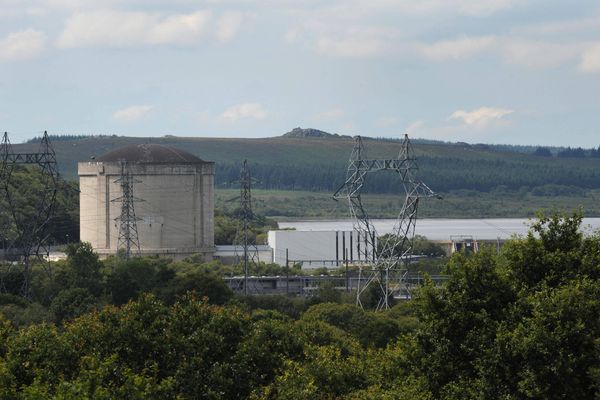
{"x": 575, "y": 152}
{"x": 520, "y": 324}
{"x": 443, "y": 174}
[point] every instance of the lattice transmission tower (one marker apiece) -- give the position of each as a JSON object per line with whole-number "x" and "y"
{"x": 25, "y": 227}
{"x": 390, "y": 257}
{"x": 243, "y": 236}
{"x": 128, "y": 243}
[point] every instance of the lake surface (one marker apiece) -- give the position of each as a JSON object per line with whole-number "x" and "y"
{"x": 439, "y": 229}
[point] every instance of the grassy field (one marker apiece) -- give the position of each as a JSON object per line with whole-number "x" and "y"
{"x": 466, "y": 204}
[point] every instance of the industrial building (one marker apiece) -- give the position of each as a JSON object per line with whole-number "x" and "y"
{"x": 173, "y": 193}
{"x": 315, "y": 249}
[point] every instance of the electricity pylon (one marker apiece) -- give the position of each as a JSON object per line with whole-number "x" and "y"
{"x": 392, "y": 254}
{"x": 246, "y": 215}
{"x": 25, "y": 235}
{"x": 128, "y": 239}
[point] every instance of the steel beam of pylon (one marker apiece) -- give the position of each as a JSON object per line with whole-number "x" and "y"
{"x": 128, "y": 240}
{"x": 6, "y": 169}
{"x": 25, "y": 236}
{"x": 388, "y": 268}
{"x": 242, "y": 236}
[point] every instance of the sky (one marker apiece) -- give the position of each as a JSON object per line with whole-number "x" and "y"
{"x": 481, "y": 71}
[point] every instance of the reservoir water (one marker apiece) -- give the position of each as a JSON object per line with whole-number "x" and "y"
{"x": 439, "y": 228}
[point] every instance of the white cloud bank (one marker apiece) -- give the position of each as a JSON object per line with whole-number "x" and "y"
{"x": 456, "y": 49}
{"x": 537, "y": 54}
{"x": 228, "y": 25}
{"x": 485, "y": 7}
{"x": 482, "y": 116}
{"x": 132, "y": 113}
{"x": 351, "y": 46}
{"x": 22, "y": 45}
{"x": 124, "y": 29}
{"x": 245, "y": 110}
{"x": 362, "y": 29}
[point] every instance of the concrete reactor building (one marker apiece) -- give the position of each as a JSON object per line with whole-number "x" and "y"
{"x": 174, "y": 193}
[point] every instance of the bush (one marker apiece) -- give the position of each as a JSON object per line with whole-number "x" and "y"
{"x": 369, "y": 328}
{"x": 202, "y": 284}
{"x": 71, "y": 303}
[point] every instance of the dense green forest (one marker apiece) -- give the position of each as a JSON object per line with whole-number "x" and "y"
{"x": 319, "y": 163}
{"x": 26, "y": 191}
{"x": 551, "y": 177}
{"x": 521, "y": 324}
{"x": 476, "y": 180}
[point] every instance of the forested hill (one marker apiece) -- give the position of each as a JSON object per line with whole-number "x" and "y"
{"x": 318, "y": 162}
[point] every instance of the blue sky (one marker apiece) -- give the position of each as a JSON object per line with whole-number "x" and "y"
{"x": 493, "y": 71}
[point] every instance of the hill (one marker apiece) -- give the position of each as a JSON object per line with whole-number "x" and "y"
{"x": 319, "y": 163}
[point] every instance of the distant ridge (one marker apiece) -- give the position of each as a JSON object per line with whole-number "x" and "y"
{"x": 310, "y": 133}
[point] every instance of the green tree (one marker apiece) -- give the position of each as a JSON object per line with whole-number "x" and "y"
{"x": 554, "y": 349}
{"x": 202, "y": 284}
{"x": 458, "y": 322}
{"x": 84, "y": 267}
{"x": 324, "y": 373}
{"x": 523, "y": 324}
{"x": 130, "y": 278}
{"x": 369, "y": 328}
{"x": 71, "y": 303}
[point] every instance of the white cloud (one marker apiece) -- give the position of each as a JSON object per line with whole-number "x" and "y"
{"x": 228, "y": 25}
{"x": 122, "y": 29}
{"x": 350, "y": 47}
{"x": 513, "y": 50}
{"x": 179, "y": 28}
{"x": 132, "y": 113}
{"x": 245, "y": 110}
{"x": 341, "y": 39}
{"x": 574, "y": 27}
{"x": 368, "y": 28}
{"x": 474, "y": 8}
{"x": 590, "y": 60}
{"x": 333, "y": 114}
{"x": 484, "y": 7}
{"x": 539, "y": 54}
{"x": 456, "y": 49}
{"x": 481, "y": 117}
{"x": 22, "y": 45}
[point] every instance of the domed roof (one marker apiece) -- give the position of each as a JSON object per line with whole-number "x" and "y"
{"x": 149, "y": 153}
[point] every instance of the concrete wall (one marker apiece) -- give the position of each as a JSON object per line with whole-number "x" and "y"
{"x": 318, "y": 248}
{"x": 176, "y": 214}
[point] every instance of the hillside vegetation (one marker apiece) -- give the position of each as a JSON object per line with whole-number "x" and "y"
{"x": 315, "y": 161}
{"x": 318, "y": 163}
